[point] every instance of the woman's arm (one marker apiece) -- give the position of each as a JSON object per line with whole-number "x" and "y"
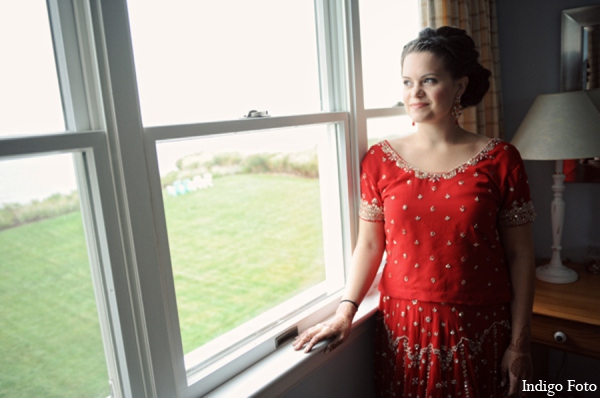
{"x": 365, "y": 262}
{"x": 518, "y": 246}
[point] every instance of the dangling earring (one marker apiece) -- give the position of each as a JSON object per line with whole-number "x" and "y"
{"x": 457, "y": 109}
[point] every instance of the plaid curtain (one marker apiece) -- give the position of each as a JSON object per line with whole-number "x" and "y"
{"x": 478, "y": 18}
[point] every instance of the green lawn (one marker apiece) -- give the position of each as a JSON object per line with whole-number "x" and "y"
{"x": 237, "y": 248}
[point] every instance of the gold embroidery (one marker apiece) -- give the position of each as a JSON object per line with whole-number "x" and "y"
{"x": 401, "y": 163}
{"x": 445, "y": 354}
{"x": 371, "y": 211}
{"x": 517, "y": 215}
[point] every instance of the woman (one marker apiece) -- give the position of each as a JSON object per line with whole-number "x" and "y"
{"x": 451, "y": 210}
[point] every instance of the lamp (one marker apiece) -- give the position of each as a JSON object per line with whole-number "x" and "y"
{"x": 558, "y": 127}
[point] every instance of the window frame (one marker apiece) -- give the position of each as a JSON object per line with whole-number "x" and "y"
{"x": 238, "y": 358}
{"x": 138, "y": 158}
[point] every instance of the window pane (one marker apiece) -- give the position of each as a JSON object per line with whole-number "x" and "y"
{"x": 245, "y": 227}
{"x": 217, "y": 60}
{"x": 29, "y": 94}
{"x": 385, "y": 27}
{"x": 388, "y": 128}
{"x": 50, "y": 342}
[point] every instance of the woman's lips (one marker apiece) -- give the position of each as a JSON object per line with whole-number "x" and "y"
{"x": 418, "y": 105}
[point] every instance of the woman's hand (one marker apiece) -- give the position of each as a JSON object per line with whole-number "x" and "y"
{"x": 337, "y": 329}
{"x": 516, "y": 367}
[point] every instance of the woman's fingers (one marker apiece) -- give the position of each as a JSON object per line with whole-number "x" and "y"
{"x": 313, "y": 336}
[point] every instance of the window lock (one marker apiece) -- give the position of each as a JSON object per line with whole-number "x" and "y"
{"x": 254, "y": 114}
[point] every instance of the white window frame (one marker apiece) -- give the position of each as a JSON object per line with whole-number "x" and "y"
{"x": 139, "y": 173}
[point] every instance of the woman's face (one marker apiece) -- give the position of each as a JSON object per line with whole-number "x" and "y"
{"x": 429, "y": 90}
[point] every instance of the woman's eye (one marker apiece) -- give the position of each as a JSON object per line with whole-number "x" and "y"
{"x": 430, "y": 80}
{"x": 406, "y": 82}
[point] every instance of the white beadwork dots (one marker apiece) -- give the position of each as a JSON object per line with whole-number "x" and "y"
{"x": 432, "y": 208}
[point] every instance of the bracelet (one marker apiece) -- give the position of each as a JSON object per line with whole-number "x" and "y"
{"x": 350, "y": 301}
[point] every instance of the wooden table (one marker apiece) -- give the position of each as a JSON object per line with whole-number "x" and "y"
{"x": 573, "y": 309}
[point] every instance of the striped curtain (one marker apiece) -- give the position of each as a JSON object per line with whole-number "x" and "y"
{"x": 478, "y": 18}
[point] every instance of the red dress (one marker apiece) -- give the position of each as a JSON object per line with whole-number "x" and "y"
{"x": 445, "y": 291}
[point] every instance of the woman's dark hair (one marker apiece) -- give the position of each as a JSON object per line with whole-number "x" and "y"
{"x": 457, "y": 51}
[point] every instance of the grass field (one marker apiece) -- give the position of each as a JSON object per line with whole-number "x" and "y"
{"x": 242, "y": 246}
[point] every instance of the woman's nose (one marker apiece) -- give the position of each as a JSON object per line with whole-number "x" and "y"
{"x": 418, "y": 91}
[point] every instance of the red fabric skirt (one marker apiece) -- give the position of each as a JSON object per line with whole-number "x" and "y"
{"x": 435, "y": 350}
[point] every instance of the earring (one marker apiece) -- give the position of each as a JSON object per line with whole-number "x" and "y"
{"x": 413, "y": 123}
{"x": 457, "y": 108}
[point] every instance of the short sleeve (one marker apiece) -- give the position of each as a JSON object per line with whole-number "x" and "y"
{"x": 371, "y": 204}
{"x": 516, "y": 207}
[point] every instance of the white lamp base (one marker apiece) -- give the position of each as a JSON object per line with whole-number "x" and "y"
{"x": 554, "y": 273}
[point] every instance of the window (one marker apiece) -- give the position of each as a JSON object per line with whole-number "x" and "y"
{"x": 51, "y": 339}
{"x": 252, "y": 222}
{"x": 386, "y": 26}
{"x": 179, "y": 239}
{"x": 201, "y": 61}
{"x": 58, "y": 240}
{"x": 28, "y": 79}
{"x": 253, "y": 209}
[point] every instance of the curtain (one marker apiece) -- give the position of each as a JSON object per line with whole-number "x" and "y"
{"x": 478, "y": 18}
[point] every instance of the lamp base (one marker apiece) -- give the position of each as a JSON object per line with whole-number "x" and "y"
{"x": 553, "y": 273}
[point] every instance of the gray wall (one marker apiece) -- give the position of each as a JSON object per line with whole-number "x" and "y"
{"x": 529, "y": 34}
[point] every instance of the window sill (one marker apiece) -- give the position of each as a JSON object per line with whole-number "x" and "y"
{"x": 283, "y": 369}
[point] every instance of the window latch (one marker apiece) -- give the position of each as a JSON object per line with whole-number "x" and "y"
{"x": 255, "y": 114}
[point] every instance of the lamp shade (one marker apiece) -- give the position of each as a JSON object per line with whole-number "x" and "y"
{"x": 561, "y": 126}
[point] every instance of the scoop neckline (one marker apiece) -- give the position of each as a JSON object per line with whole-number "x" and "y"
{"x": 400, "y": 162}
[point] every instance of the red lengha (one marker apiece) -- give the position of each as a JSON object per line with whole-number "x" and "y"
{"x": 445, "y": 287}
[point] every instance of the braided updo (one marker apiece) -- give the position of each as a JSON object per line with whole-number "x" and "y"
{"x": 457, "y": 52}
